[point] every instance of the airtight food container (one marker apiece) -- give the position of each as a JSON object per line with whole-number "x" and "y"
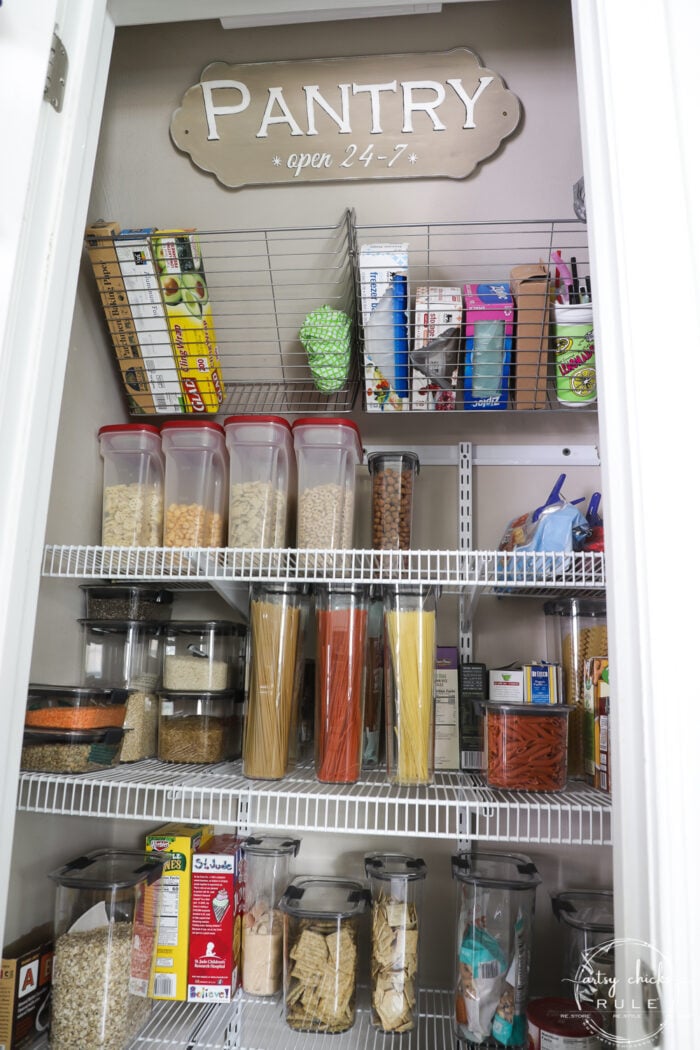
{"x": 393, "y": 477}
{"x": 70, "y": 750}
{"x": 116, "y": 601}
{"x": 105, "y": 932}
{"x": 561, "y": 1024}
{"x": 199, "y": 726}
{"x": 261, "y": 481}
{"x": 526, "y": 746}
{"x": 266, "y": 863}
{"x": 327, "y": 452}
{"x": 74, "y": 707}
{"x": 587, "y": 917}
{"x": 133, "y": 480}
{"x": 203, "y": 654}
{"x": 196, "y": 483}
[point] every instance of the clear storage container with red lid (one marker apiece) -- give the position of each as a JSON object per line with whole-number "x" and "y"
{"x": 262, "y": 480}
{"x": 196, "y": 483}
{"x": 133, "y": 480}
{"x": 327, "y": 451}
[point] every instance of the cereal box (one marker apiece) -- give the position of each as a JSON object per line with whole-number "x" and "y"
{"x": 215, "y": 922}
{"x": 25, "y": 988}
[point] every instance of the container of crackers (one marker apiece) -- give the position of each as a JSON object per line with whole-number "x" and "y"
{"x": 321, "y": 920}
{"x": 396, "y": 888}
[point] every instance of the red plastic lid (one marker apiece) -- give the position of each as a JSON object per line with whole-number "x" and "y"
{"x": 259, "y": 419}
{"x": 125, "y": 428}
{"x": 192, "y": 424}
{"x": 330, "y": 421}
{"x": 562, "y": 1017}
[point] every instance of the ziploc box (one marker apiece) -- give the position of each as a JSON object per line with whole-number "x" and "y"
{"x": 25, "y": 988}
{"x": 488, "y": 343}
{"x": 188, "y": 310}
{"x": 384, "y": 305}
{"x": 214, "y": 971}
{"x": 437, "y": 341}
{"x": 180, "y": 841}
{"x": 446, "y": 707}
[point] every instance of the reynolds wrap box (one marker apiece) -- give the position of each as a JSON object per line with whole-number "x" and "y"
{"x": 437, "y": 342}
{"x": 384, "y": 304}
{"x": 530, "y": 287}
{"x": 25, "y": 989}
{"x": 180, "y": 842}
{"x": 215, "y": 923}
{"x": 446, "y": 708}
{"x": 488, "y": 342}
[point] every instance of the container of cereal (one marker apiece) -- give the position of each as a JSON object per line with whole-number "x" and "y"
{"x": 327, "y": 451}
{"x": 202, "y": 654}
{"x": 74, "y": 707}
{"x": 133, "y": 480}
{"x": 321, "y": 921}
{"x": 116, "y": 601}
{"x": 396, "y": 885}
{"x": 70, "y": 750}
{"x": 198, "y": 726}
{"x": 266, "y": 875}
{"x": 105, "y": 934}
{"x": 262, "y": 474}
{"x": 196, "y": 483}
{"x": 526, "y": 746}
{"x": 393, "y": 475}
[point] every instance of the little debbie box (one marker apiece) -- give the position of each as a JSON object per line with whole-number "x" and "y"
{"x": 214, "y": 970}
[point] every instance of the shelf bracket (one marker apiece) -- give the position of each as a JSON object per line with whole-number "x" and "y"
{"x": 56, "y": 74}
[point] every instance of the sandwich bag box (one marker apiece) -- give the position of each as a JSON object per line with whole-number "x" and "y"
{"x": 488, "y": 342}
{"x": 436, "y": 353}
{"x": 214, "y": 971}
{"x": 530, "y": 289}
{"x": 25, "y": 988}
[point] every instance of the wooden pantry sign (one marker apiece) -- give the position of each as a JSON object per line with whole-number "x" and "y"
{"x": 320, "y": 120}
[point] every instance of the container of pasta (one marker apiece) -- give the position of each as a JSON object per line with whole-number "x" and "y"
{"x": 495, "y": 913}
{"x": 133, "y": 480}
{"x": 74, "y": 707}
{"x": 396, "y": 887}
{"x": 203, "y": 654}
{"x": 262, "y": 480}
{"x": 410, "y": 651}
{"x": 327, "y": 452}
{"x": 526, "y": 746}
{"x": 198, "y": 726}
{"x": 196, "y": 483}
{"x": 266, "y": 863}
{"x": 321, "y": 925}
{"x": 341, "y": 668}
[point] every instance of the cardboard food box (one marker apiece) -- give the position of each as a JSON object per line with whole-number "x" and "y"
{"x": 436, "y": 353}
{"x": 507, "y": 685}
{"x": 488, "y": 342}
{"x": 214, "y": 971}
{"x": 473, "y": 690}
{"x": 384, "y": 305}
{"x": 602, "y": 763}
{"x": 25, "y": 988}
{"x": 542, "y": 683}
{"x": 180, "y": 841}
{"x": 530, "y": 289}
{"x": 596, "y": 704}
{"x": 446, "y": 708}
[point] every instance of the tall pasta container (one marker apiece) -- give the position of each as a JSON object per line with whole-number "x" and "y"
{"x": 374, "y": 691}
{"x": 409, "y": 666}
{"x": 267, "y": 859}
{"x": 196, "y": 483}
{"x": 275, "y": 613}
{"x": 341, "y": 671}
{"x": 295, "y": 732}
{"x": 396, "y": 885}
{"x": 132, "y": 492}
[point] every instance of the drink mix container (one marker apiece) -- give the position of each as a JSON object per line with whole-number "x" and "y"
{"x": 267, "y": 860}
{"x": 574, "y": 354}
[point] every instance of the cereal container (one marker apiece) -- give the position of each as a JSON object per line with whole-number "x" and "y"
{"x": 262, "y": 475}
{"x": 203, "y": 654}
{"x": 495, "y": 912}
{"x": 105, "y": 923}
{"x": 327, "y": 452}
{"x": 393, "y": 475}
{"x": 526, "y": 746}
{"x": 133, "y": 479}
{"x": 321, "y": 920}
{"x": 198, "y": 726}
{"x": 396, "y": 885}
{"x": 196, "y": 483}
{"x": 266, "y": 876}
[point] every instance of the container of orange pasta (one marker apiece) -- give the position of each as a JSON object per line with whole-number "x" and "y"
{"x": 526, "y": 746}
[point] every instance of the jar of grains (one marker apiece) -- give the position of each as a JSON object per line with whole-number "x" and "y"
{"x": 265, "y": 877}
{"x": 197, "y": 726}
{"x": 263, "y": 468}
{"x": 393, "y": 475}
{"x": 133, "y": 479}
{"x": 196, "y": 483}
{"x": 115, "y": 601}
{"x": 328, "y": 451}
{"x": 203, "y": 654}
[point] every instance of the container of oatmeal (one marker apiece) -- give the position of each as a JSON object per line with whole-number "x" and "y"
{"x": 133, "y": 484}
{"x": 266, "y": 862}
{"x": 261, "y": 483}
{"x": 196, "y": 483}
{"x": 203, "y": 654}
{"x": 327, "y": 452}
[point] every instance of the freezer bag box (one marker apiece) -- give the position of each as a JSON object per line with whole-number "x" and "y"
{"x": 180, "y": 841}
{"x": 530, "y": 289}
{"x": 188, "y": 310}
{"x": 214, "y": 971}
{"x": 446, "y": 707}
{"x": 488, "y": 342}
{"x": 25, "y": 988}
{"x": 384, "y": 306}
{"x": 437, "y": 341}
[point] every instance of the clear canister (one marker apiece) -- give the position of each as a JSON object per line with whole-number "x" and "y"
{"x": 115, "y": 601}
{"x": 196, "y": 483}
{"x": 327, "y": 452}
{"x": 495, "y": 912}
{"x": 275, "y": 615}
{"x": 321, "y": 921}
{"x": 409, "y": 671}
{"x": 588, "y": 919}
{"x": 105, "y": 927}
{"x": 295, "y": 731}
{"x": 396, "y": 885}
{"x": 266, "y": 875}
{"x": 341, "y": 671}
{"x": 393, "y": 476}
{"x": 202, "y": 654}
{"x": 262, "y": 480}
{"x": 198, "y": 726}
{"x": 133, "y": 480}
{"x": 526, "y": 746}
{"x": 374, "y": 693}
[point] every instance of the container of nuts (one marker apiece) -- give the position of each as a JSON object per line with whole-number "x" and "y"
{"x": 393, "y": 475}
{"x": 132, "y": 493}
{"x": 196, "y": 483}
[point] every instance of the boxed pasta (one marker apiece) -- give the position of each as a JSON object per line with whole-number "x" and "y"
{"x": 25, "y": 988}
{"x": 542, "y": 683}
{"x": 214, "y": 969}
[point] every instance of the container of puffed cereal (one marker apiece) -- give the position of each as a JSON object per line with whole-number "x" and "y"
{"x": 266, "y": 875}
{"x": 196, "y": 483}
{"x": 133, "y": 480}
{"x": 327, "y": 452}
{"x": 262, "y": 475}
{"x": 321, "y": 919}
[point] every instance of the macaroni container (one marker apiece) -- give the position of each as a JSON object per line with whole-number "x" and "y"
{"x": 133, "y": 479}
{"x": 526, "y": 746}
{"x": 262, "y": 472}
{"x": 196, "y": 483}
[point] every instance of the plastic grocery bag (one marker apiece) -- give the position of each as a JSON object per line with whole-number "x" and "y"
{"x": 556, "y": 526}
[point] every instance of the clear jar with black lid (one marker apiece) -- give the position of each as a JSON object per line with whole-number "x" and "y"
{"x": 116, "y": 601}
{"x": 393, "y": 477}
{"x": 203, "y": 654}
{"x": 199, "y": 726}
{"x": 265, "y": 875}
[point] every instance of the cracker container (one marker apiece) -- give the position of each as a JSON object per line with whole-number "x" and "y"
{"x": 132, "y": 491}
{"x": 105, "y": 927}
{"x": 262, "y": 473}
{"x": 327, "y": 452}
{"x": 396, "y": 885}
{"x": 495, "y": 912}
{"x": 196, "y": 483}
{"x": 267, "y": 859}
{"x": 321, "y": 925}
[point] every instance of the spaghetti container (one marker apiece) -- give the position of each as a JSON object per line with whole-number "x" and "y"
{"x": 341, "y": 671}
{"x": 267, "y": 860}
{"x": 495, "y": 913}
{"x": 396, "y": 886}
{"x": 526, "y": 746}
{"x": 374, "y": 691}
{"x": 275, "y": 614}
{"x": 133, "y": 481}
{"x": 409, "y": 668}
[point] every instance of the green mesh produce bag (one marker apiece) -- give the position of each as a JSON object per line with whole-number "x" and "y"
{"x": 325, "y": 335}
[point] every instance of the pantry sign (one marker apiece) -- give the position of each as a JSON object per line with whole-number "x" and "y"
{"x": 320, "y": 120}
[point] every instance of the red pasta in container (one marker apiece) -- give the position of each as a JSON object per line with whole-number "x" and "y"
{"x": 526, "y": 746}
